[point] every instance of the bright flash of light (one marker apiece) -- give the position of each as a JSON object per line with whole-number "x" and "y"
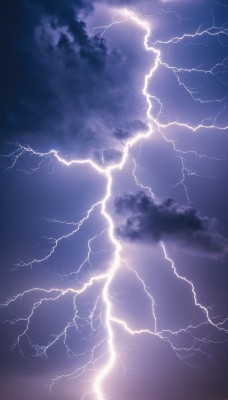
{"x": 103, "y": 307}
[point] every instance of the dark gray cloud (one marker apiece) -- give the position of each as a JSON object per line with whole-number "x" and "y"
{"x": 131, "y": 127}
{"x": 150, "y": 221}
{"x": 59, "y": 83}
{"x": 45, "y": 54}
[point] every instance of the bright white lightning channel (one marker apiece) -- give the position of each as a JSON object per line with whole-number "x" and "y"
{"x": 108, "y": 317}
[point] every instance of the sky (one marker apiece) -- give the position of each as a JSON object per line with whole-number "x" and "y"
{"x": 113, "y": 201}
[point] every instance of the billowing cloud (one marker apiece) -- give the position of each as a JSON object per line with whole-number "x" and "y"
{"x": 62, "y": 83}
{"x": 153, "y": 222}
{"x": 48, "y": 61}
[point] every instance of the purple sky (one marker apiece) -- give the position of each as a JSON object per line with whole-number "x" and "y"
{"x": 73, "y": 83}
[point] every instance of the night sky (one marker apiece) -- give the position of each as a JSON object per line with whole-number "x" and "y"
{"x": 71, "y": 88}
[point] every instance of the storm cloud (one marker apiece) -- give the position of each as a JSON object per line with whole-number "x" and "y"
{"x": 43, "y": 54}
{"x": 56, "y": 78}
{"x": 149, "y": 221}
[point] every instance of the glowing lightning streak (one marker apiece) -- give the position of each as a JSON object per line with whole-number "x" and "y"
{"x": 106, "y": 369}
{"x": 211, "y": 31}
{"x": 109, "y": 275}
{"x": 104, "y": 28}
{"x": 197, "y": 304}
{"x": 109, "y": 317}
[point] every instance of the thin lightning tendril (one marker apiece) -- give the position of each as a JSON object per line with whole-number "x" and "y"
{"x": 103, "y": 356}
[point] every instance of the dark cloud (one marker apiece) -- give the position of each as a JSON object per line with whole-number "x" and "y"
{"x": 112, "y": 155}
{"x": 58, "y": 82}
{"x": 131, "y": 127}
{"x": 121, "y": 134}
{"x": 45, "y": 52}
{"x": 151, "y": 221}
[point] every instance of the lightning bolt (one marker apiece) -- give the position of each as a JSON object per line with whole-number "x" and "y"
{"x": 103, "y": 355}
{"x": 104, "y": 28}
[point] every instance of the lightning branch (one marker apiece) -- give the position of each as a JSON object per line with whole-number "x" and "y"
{"x": 102, "y": 317}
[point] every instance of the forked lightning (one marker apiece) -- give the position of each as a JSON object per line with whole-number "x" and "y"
{"x": 104, "y": 351}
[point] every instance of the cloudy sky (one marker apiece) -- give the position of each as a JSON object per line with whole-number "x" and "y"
{"x": 73, "y": 88}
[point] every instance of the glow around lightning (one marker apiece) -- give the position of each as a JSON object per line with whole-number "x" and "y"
{"x": 102, "y": 315}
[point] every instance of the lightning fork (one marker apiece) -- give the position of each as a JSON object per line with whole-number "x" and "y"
{"x": 211, "y": 31}
{"x": 106, "y": 314}
{"x": 104, "y": 28}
